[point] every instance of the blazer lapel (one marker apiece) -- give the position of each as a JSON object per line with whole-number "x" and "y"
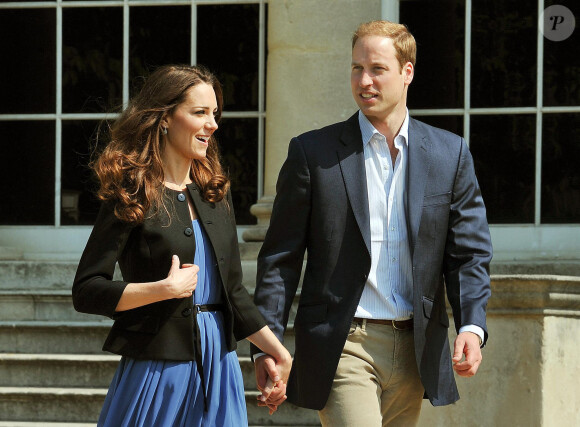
{"x": 417, "y": 172}
{"x": 352, "y": 164}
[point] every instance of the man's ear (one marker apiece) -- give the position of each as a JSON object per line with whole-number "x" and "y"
{"x": 408, "y": 73}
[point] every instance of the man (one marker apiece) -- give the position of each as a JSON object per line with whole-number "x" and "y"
{"x": 391, "y": 216}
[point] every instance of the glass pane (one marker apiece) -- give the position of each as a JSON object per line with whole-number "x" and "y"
{"x": 92, "y": 59}
{"x": 27, "y": 173}
{"x": 562, "y": 64}
{"x": 439, "y": 72}
{"x": 238, "y": 141}
{"x": 451, "y": 123}
{"x": 560, "y": 171}
{"x": 503, "y": 53}
{"x": 152, "y": 45}
{"x": 78, "y": 185}
{"x": 503, "y": 149}
{"x": 28, "y": 74}
{"x": 227, "y": 43}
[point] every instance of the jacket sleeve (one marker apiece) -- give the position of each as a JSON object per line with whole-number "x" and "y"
{"x": 282, "y": 255}
{"x": 94, "y": 290}
{"x": 468, "y": 250}
{"x": 247, "y": 318}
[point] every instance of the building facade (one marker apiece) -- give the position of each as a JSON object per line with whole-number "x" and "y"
{"x": 484, "y": 71}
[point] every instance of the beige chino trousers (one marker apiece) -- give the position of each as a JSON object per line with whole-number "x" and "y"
{"x": 377, "y": 382}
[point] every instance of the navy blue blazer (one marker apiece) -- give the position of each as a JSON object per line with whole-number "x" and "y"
{"x": 321, "y": 207}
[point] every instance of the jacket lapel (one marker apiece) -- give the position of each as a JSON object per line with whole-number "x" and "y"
{"x": 352, "y": 164}
{"x": 417, "y": 173}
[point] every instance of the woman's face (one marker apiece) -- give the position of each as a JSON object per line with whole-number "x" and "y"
{"x": 192, "y": 123}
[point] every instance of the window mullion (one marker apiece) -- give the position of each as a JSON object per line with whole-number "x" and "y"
{"x": 58, "y": 122}
{"x": 126, "y": 20}
{"x": 467, "y": 71}
{"x": 539, "y": 102}
{"x": 261, "y": 91}
{"x": 193, "y": 33}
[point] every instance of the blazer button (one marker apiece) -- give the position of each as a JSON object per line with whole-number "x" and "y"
{"x": 188, "y": 231}
{"x": 181, "y": 197}
{"x": 186, "y": 312}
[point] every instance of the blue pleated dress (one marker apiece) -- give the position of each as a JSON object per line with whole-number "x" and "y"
{"x": 168, "y": 393}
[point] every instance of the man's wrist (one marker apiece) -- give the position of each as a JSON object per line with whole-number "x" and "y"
{"x": 474, "y": 330}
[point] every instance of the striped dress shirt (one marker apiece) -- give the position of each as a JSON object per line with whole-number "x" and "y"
{"x": 388, "y": 292}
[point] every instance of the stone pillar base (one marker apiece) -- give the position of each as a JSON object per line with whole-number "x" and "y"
{"x": 261, "y": 210}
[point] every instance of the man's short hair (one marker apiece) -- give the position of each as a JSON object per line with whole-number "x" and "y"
{"x": 403, "y": 40}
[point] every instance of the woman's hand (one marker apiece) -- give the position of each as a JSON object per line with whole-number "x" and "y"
{"x": 181, "y": 282}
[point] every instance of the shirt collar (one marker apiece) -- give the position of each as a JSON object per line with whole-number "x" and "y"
{"x": 368, "y": 130}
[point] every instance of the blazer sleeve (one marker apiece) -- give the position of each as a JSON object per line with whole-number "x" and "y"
{"x": 282, "y": 254}
{"x": 94, "y": 290}
{"x": 468, "y": 250}
{"x": 247, "y": 318}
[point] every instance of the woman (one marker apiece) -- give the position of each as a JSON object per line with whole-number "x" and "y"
{"x": 167, "y": 201}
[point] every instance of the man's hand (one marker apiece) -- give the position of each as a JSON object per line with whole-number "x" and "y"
{"x": 270, "y": 382}
{"x": 466, "y": 343}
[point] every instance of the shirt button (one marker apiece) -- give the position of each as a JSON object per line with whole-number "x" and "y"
{"x": 394, "y": 259}
{"x": 181, "y": 197}
{"x": 188, "y": 231}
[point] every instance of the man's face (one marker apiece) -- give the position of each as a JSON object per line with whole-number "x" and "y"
{"x": 379, "y": 85}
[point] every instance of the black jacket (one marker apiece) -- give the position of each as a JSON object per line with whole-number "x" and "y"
{"x": 162, "y": 330}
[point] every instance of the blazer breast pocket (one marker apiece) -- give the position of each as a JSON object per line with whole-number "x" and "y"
{"x": 437, "y": 199}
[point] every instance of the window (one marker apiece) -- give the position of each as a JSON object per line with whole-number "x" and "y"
{"x": 485, "y": 71}
{"x": 491, "y": 76}
{"x": 73, "y": 62}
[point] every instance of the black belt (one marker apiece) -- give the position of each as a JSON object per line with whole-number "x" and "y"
{"x": 396, "y": 324}
{"x": 197, "y": 347}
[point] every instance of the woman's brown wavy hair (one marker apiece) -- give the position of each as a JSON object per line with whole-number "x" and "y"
{"x": 130, "y": 168}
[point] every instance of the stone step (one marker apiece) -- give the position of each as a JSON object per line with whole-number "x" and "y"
{"x": 42, "y": 424}
{"x": 82, "y": 405}
{"x": 57, "y": 370}
{"x": 51, "y": 305}
{"x": 56, "y": 305}
{"x": 39, "y": 337}
{"x": 59, "y": 275}
{"x": 76, "y": 370}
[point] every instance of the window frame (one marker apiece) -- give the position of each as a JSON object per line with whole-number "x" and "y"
{"x": 36, "y": 240}
{"x": 512, "y": 242}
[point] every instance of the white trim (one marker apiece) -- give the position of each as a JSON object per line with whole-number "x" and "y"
{"x": 467, "y": 74}
{"x": 193, "y": 34}
{"x": 117, "y": 3}
{"x": 58, "y": 121}
{"x": 539, "y": 118}
{"x": 261, "y": 96}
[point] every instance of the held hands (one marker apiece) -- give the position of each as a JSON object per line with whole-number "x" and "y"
{"x": 466, "y": 343}
{"x": 271, "y": 379}
{"x": 181, "y": 282}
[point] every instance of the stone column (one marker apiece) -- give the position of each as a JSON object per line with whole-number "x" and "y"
{"x": 530, "y": 369}
{"x": 308, "y": 79}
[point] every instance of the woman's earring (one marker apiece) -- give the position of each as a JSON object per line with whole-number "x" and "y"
{"x": 164, "y": 131}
